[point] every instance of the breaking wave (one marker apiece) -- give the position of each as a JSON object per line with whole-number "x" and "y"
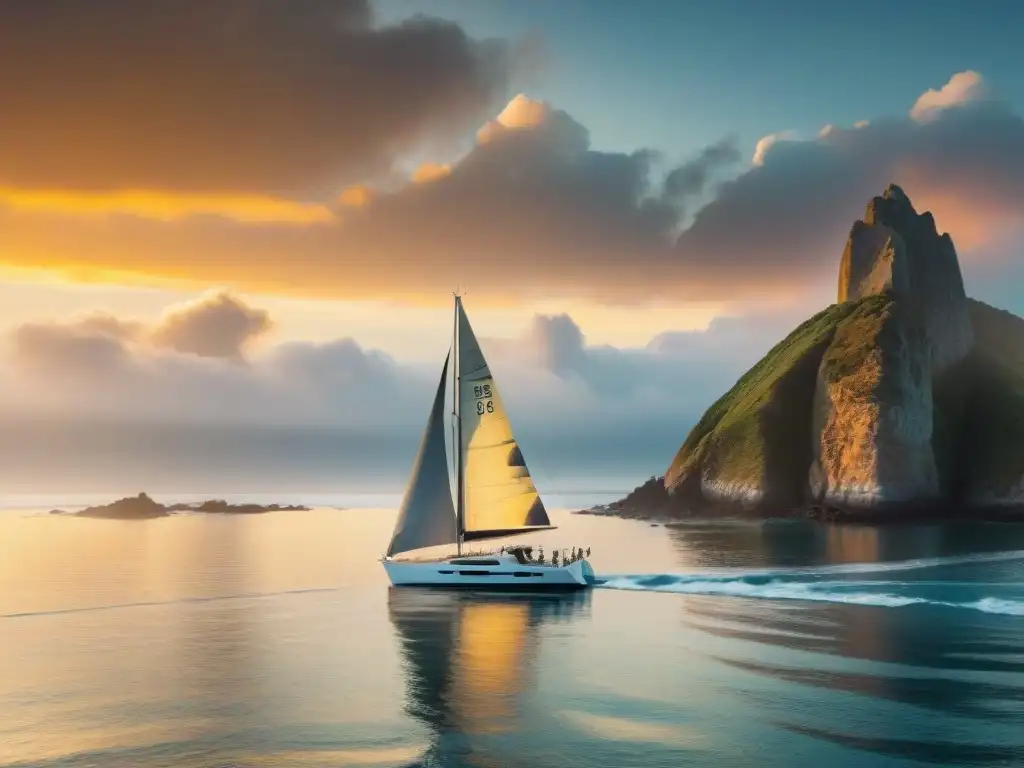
{"x": 808, "y": 584}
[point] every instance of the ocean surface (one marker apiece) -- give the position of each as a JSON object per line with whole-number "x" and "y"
{"x": 275, "y": 640}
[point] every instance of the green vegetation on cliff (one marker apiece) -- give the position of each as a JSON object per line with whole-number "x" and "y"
{"x": 758, "y": 434}
{"x": 856, "y": 337}
{"x": 904, "y": 397}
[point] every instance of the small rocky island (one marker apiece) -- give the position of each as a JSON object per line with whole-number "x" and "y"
{"x": 142, "y": 507}
{"x": 903, "y": 399}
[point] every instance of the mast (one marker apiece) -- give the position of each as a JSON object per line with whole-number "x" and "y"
{"x": 460, "y": 502}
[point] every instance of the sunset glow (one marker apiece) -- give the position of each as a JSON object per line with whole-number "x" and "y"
{"x": 259, "y": 238}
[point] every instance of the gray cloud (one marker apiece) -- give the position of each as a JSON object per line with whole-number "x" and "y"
{"x": 533, "y": 210}
{"x": 216, "y": 325}
{"x": 576, "y": 407}
{"x": 789, "y": 217}
{"x": 105, "y": 324}
{"x": 55, "y": 352}
{"x": 691, "y": 179}
{"x": 290, "y": 97}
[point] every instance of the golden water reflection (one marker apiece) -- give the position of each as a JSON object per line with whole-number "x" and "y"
{"x": 471, "y": 663}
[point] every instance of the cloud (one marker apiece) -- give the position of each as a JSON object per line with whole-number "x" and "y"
{"x": 286, "y": 99}
{"x": 431, "y": 172}
{"x": 165, "y": 206}
{"x": 105, "y": 324}
{"x": 765, "y": 143}
{"x": 521, "y": 113}
{"x": 57, "y": 354}
{"x": 692, "y": 179}
{"x": 598, "y": 405}
{"x": 532, "y": 207}
{"x": 174, "y": 373}
{"x": 216, "y": 325}
{"x": 963, "y": 88}
{"x": 785, "y": 222}
{"x": 532, "y": 210}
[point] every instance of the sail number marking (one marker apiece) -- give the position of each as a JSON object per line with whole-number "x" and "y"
{"x": 484, "y": 403}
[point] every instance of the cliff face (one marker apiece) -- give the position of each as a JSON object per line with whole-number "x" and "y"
{"x": 874, "y": 262}
{"x": 872, "y": 423}
{"x": 752, "y": 447}
{"x": 884, "y": 402}
{"x": 898, "y": 252}
{"x": 874, "y": 406}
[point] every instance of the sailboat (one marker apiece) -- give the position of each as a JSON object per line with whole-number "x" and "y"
{"x": 495, "y": 496}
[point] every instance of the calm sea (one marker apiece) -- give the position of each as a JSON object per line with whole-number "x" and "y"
{"x": 275, "y": 640}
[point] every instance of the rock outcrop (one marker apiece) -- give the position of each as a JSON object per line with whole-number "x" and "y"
{"x": 905, "y": 396}
{"x": 896, "y": 251}
{"x": 142, "y": 507}
{"x": 752, "y": 447}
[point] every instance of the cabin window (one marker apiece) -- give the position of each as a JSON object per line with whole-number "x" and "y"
{"x": 474, "y": 573}
{"x": 527, "y": 573}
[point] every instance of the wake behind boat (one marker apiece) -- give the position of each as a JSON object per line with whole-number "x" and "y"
{"x": 495, "y": 495}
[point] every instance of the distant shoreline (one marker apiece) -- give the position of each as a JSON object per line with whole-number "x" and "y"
{"x": 651, "y": 502}
{"x": 143, "y": 507}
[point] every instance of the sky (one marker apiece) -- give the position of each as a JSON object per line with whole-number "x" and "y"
{"x": 230, "y": 230}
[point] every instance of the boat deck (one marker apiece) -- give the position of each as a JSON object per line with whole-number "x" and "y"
{"x": 490, "y": 570}
{"x": 515, "y": 553}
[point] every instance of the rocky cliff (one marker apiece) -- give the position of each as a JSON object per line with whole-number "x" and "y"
{"x": 897, "y": 252}
{"x": 736, "y": 453}
{"x": 903, "y": 396}
{"x": 872, "y": 412}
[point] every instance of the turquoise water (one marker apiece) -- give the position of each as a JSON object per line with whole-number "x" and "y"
{"x": 276, "y": 640}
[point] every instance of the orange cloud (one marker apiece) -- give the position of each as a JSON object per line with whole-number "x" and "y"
{"x": 356, "y": 196}
{"x": 521, "y": 113}
{"x": 533, "y": 213}
{"x": 165, "y": 206}
{"x": 242, "y": 111}
{"x": 431, "y": 172}
{"x": 975, "y": 221}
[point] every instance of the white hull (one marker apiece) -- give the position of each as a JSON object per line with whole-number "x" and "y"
{"x": 502, "y": 571}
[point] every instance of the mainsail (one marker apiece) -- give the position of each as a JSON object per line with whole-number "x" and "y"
{"x": 427, "y": 516}
{"x": 500, "y": 498}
